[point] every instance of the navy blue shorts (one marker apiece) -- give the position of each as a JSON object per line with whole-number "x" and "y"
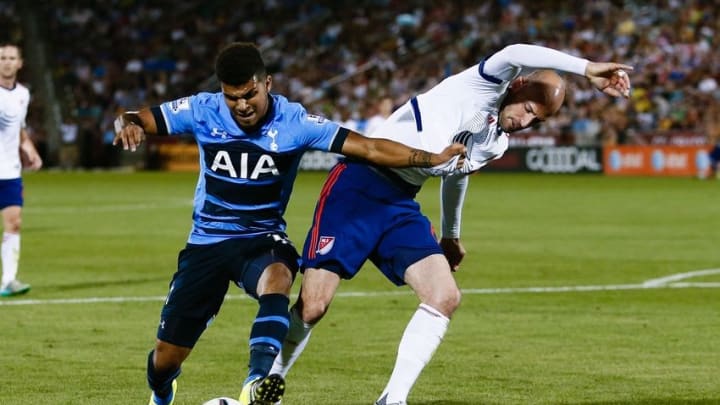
{"x": 204, "y": 272}
{"x": 362, "y": 214}
{"x": 11, "y": 193}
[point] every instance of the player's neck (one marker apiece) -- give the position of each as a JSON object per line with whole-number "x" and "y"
{"x": 8, "y": 82}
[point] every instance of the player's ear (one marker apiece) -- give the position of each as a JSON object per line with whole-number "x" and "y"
{"x": 519, "y": 82}
{"x": 268, "y": 83}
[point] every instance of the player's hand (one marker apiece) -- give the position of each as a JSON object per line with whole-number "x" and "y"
{"x": 455, "y": 151}
{"x": 130, "y": 134}
{"x": 31, "y": 160}
{"x": 455, "y": 159}
{"x": 454, "y": 252}
{"x": 610, "y": 78}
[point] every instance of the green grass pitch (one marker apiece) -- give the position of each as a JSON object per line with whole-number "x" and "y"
{"x": 554, "y": 311}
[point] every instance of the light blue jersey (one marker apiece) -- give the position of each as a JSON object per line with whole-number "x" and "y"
{"x": 245, "y": 179}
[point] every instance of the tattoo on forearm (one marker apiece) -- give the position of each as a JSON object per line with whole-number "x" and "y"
{"x": 420, "y": 158}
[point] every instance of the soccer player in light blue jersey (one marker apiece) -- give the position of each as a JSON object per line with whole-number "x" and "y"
{"x": 250, "y": 144}
{"x": 369, "y": 213}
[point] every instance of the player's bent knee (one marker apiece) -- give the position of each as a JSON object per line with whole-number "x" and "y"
{"x": 13, "y": 225}
{"x": 276, "y": 279}
{"x": 313, "y": 311}
{"x": 169, "y": 356}
{"x": 446, "y": 301}
{"x": 456, "y": 299}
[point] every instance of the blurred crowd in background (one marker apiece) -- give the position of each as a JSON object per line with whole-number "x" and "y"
{"x": 355, "y": 61}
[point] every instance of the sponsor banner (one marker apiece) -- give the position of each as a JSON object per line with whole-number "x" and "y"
{"x": 550, "y": 159}
{"x": 674, "y": 138}
{"x": 531, "y": 139}
{"x": 619, "y": 160}
{"x": 657, "y": 160}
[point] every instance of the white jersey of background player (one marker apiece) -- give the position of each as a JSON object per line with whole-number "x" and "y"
{"x": 14, "y": 144}
{"x": 477, "y": 107}
{"x": 13, "y": 110}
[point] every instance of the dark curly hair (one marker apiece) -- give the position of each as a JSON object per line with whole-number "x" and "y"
{"x": 239, "y": 62}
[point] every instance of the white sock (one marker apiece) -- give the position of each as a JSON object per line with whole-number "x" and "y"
{"x": 294, "y": 344}
{"x": 422, "y": 337}
{"x": 10, "y": 252}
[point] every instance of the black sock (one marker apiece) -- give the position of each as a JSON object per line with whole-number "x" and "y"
{"x": 267, "y": 333}
{"x": 160, "y": 382}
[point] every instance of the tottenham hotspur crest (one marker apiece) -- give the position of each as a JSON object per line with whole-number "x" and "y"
{"x": 272, "y": 133}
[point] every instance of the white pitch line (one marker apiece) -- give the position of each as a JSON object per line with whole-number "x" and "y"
{"x": 694, "y": 285}
{"x": 680, "y": 276}
{"x": 473, "y": 291}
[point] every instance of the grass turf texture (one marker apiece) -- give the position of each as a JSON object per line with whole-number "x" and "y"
{"x": 106, "y": 235}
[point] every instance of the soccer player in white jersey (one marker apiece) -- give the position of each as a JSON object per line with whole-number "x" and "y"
{"x": 368, "y": 212}
{"x": 250, "y": 144}
{"x": 16, "y": 150}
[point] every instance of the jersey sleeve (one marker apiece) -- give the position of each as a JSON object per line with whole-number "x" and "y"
{"x": 316, "y": 132}
{"x": 452, "y": 195}
{"x": 175, "y": 117}
{"x": 507, "y": 63}
{"x": 23, "y": 122}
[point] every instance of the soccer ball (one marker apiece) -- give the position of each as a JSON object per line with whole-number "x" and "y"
{"x": 222, "y": 401}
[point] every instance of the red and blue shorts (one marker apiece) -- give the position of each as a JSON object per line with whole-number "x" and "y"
{"x": 364, "y": 213}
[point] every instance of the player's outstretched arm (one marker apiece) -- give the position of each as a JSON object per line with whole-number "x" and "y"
{"x": 389, "y": 153}
{"x": 131, "y": 127}
{"x": 610, "y": 78}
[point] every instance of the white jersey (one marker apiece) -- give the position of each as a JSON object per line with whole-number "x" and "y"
{"x": 13, "y": 110}
{"x": 464, "y": 108}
